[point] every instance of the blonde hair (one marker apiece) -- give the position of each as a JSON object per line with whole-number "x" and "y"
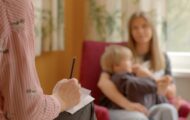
{"x": 113, "y": 55}
{"x": 157, "y": 60}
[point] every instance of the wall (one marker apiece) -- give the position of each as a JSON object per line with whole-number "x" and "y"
{"x": 183, "y": 89}
{"x": 54, "y": 66}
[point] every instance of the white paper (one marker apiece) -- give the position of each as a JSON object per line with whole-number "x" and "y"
{"x": 85, "y": 99}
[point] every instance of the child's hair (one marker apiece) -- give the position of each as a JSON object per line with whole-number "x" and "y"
{"x": 113, "y": 55}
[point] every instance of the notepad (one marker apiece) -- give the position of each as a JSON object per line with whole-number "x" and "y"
{"x": 85, "y": 99}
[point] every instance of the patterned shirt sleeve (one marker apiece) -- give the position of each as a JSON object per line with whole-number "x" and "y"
{"x": 22, "y": 97}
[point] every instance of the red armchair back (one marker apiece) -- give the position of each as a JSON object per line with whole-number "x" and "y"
{"x": 90, "y": 66}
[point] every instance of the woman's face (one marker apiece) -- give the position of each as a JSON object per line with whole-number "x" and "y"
{"x": 141, "y": 30}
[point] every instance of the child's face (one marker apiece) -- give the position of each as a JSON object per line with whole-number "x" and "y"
{"x": 124, "y": 66}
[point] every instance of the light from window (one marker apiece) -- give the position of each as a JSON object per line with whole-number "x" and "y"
{"x": 178, "y": 26}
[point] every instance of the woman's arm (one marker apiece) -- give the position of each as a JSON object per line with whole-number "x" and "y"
{"x": 22, "y": 97}
{"x": 171, "y": 91}
{"x": 110, "y": 90}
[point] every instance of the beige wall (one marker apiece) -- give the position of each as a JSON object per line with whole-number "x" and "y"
{"x": 183, "y": 87}
{"x": 53, "y": 66}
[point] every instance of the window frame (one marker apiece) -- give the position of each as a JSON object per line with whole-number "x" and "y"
{"x": 180, "y": 64}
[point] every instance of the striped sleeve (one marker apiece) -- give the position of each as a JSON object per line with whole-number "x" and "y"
{"x": 4, "y": 26}
{"x": 23, "y": 98}
{"x": 48, "y": 109}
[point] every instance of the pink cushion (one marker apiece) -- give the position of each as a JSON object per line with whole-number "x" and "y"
{"x": 101, "y": 113}
{"x": 182, "y": 119}
{"x": 90, "y": 66}
{"x": 184, "y": 110}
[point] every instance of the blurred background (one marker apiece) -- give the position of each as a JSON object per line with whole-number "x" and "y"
{"x": 63, "y": 25}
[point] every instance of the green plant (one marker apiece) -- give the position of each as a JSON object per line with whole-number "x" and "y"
{"x": 105, "y": 22}
{"x": 135, "y": 1}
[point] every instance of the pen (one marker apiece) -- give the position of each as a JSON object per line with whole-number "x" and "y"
{"x": 72, "y": 67}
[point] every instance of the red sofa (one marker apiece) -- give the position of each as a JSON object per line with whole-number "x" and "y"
{"x": 90, "y": 71}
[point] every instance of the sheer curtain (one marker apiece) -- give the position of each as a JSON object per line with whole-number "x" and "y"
{"x": 49, "y": 25}
{"x": 106, "y": 20}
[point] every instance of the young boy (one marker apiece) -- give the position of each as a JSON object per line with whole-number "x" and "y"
{"x": 117, "y": 61}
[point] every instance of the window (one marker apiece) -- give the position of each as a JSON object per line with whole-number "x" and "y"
{"x": 177, "y": 34}
{"x": 178, "y": 25}
{"x": 49, "y": 25}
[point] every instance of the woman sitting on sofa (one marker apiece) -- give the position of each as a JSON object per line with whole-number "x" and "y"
{"x": 146, "y": 47}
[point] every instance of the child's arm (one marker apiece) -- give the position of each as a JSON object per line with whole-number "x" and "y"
{"x": 141, "y": 85}
{"x": 163, "y": 84}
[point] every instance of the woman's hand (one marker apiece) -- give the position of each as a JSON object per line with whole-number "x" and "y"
{"x": 137, "y": 107}
{"x": 67, "y": 92}
{"x": 163, "y": 84}
{"x": 171, "y": 91}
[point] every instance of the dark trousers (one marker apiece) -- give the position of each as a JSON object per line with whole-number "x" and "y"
{"x": 86, "y": 113}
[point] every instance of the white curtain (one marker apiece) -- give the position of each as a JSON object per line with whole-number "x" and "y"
{"x": 106, "y": 20}
{"x": 49, "y": 25}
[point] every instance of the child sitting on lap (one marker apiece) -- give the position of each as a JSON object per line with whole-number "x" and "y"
{"x": 137, "y": 87}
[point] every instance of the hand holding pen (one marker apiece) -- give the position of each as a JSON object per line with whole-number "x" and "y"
{"x": 67, "y": 91}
